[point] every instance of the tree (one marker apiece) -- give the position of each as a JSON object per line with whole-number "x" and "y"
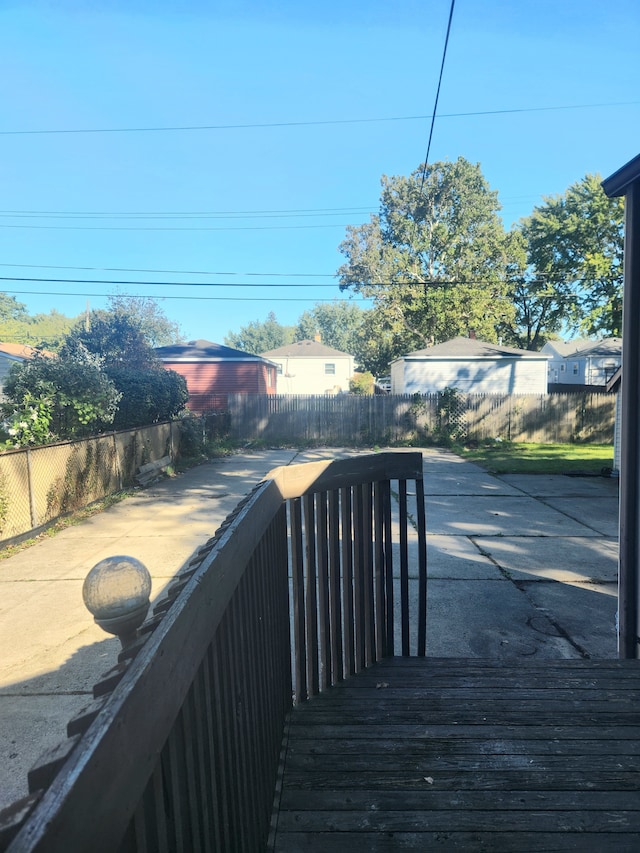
{"x": 157, "y": 329}
{"x": 116, "y": 336}
{"x": 11, "y": 309}
{"x": 540, "y": 306}
{"x": 337, "y": 323}
{"x": 63, "y": 398}
{"x": 44, "y": 331}
{"x": 574, "y": 244}
{"x": 149, "y": 392}
{"x": 258, "y": 337}
{"x": 435, "y": 259}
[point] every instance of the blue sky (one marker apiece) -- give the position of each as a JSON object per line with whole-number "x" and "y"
{"x": 305, "y": 107}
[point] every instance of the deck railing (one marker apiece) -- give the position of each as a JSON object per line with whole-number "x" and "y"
{"x": 182, "y": 750}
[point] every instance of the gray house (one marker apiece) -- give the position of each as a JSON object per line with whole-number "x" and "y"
{"x": 471, "y": 366}
{"x": 582, "y": 364}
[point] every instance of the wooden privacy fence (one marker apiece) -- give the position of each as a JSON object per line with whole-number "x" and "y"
{"x": 389, "y": 419}
{"x": 180, "y": 749}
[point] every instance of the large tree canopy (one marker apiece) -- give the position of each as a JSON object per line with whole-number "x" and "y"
{"x": 574, "y": 245}
{"x": 436, "y": 259}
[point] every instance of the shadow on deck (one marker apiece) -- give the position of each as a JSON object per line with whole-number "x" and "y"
{"x": 416, "y": 754}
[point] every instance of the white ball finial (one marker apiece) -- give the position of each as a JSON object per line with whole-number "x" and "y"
{"x": 116, "y": 591}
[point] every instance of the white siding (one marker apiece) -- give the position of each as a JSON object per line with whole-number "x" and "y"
{"x": 617, "y": 433}
{"x": 481, "y": 376}
{"x": 397, "y": 377}
{"x": 311, "y": 374}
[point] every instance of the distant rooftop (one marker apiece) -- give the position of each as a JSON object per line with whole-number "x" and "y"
{"x": 462, "y": 347}
{"x": 202, "y": 350}
{"x": 305, "y": 349}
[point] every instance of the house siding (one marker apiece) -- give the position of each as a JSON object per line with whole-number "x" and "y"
{"x": 583, "y": 364}
{"x": 308, "y": 375}
{"x": 483, "y": 376}
{"x": 209, "y": 383}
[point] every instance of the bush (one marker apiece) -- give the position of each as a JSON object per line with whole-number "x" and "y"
{"x": 361, "y": 384}
{"x": 149, "y": 395}
{"x": 73, "y": 394}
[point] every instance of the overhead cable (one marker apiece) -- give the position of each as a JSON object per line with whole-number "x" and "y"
{"x": 250, "y": 126}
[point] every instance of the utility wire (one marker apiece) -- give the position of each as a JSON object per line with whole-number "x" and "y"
{"x": 414, "y": 283}
{"x": 435, "y": 106}
{"x": 191, "y": 298}
{"x": 250, "y": 126}
{"x": 172, "y": 228}
{"x": 172, "y": 272}
{"x": 231, "y": 214}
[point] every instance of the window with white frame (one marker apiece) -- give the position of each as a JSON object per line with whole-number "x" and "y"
{"x": 329, "y": 368}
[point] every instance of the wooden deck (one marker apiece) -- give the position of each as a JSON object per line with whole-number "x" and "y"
{"x": 477, "y": 755}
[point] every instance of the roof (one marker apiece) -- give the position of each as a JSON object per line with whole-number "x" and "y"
{"x": 306, "y": 349}
{"x": 471, "y": 348}
{"x": 583, "y": 347}
{"x": 22, "y": 350}
{"x": 619, "y": 183}
{"x": 202, "y": 350}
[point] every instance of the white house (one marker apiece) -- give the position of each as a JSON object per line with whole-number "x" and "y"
{"x": 583, "y": 363}
{"x": 310, "y": 367}
{"x": 471, "y": 366}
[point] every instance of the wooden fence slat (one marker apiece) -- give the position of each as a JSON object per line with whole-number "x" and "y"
{"x": 299, "y": 616}
{"x": 347, "y": 582}
{"x": 311, "y": 595}
{"x": 404, "y": 565}
{"x": 334, "y": 587}
{"x": 323, "y": 589}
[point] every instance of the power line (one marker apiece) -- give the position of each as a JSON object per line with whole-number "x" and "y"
{"x": 188, "y": 298}
{"x": 172, "y": 272}
{"x": 171, "y": 228}
{"x": 443, "y": 283}
{"x": 251, "y": 126}
{"x": 175, "y": 214}
{"x": 161, "y": 283}
{"x": 155, "y": 216}
{"x": 435, "y": 106}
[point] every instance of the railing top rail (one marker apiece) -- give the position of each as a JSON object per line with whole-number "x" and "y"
{"x": 294, "y": 481}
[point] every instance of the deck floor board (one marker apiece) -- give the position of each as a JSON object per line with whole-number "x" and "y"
{"x": 475, "y": 755}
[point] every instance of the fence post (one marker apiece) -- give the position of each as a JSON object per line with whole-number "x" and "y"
{"x": 33, "y": 509}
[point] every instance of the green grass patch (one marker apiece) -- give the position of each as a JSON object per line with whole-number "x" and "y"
{"x": 506, "y": 457}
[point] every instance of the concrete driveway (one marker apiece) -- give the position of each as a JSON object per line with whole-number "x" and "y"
{"x": 518, "y": 566}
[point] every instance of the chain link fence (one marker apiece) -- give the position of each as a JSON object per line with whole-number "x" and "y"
{"x": 41, "y": 484}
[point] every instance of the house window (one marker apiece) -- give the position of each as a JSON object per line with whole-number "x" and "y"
{"x": 575, "y": 368}
{"x": 563, "y": 367}
{"x": 329, "y": 368}
{"x": 279, "y": 369}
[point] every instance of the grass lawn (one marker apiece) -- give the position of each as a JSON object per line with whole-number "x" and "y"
{"x": 514, "y": 458}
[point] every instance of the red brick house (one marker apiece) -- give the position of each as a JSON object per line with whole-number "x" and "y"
{"x": 213, "y": 371}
